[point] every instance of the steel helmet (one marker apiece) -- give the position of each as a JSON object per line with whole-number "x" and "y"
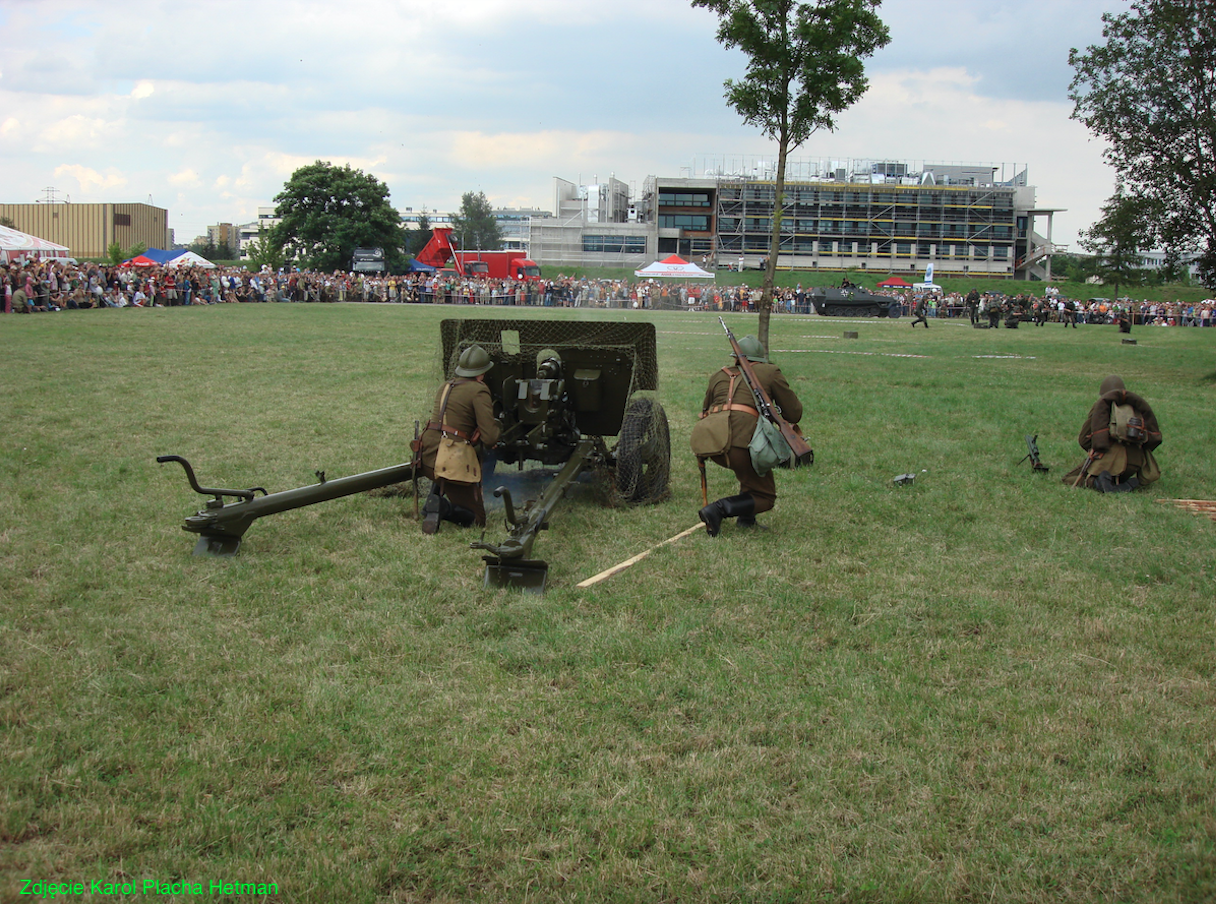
{"x": 473, "y": 362}
{"x": 752, "y": 349}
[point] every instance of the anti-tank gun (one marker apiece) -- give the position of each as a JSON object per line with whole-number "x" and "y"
{"x": 561, "y": 389}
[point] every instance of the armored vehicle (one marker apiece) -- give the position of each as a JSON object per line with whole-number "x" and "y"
{"x": 852, "y": 302}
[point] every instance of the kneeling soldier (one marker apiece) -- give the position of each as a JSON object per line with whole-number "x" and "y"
{"x": 728, "y": 420}
{"x": 462, "y": 425}
{"x": 1119, "y": 433}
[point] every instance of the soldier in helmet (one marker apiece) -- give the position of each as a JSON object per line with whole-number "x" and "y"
{"x": 1120, "y": 445}
{"x": 728, "y": 419}
{"x": 463, "y": 423}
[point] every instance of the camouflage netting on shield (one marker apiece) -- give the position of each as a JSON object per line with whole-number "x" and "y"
{"x": 555, "y": 381}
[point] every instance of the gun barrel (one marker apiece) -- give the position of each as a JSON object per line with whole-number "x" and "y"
{"x": 221, "y": 526}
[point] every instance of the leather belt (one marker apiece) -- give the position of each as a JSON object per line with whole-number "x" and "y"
{"x": 452, "y": 431}
{"x": 731, "y": 406}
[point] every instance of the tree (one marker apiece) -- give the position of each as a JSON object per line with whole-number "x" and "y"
{"x": 804, "y": 66}
{"x": 326, "y": 212}
{"x": 1150, "y": 91}
{"x": 1117, "y": 239}
{"x": 265, "y": 251}
{"x": 8, "y": 222}
{"x": 206, "y": 247}
{"x": 116, "y": 254}
{"x": 475, "y": 226}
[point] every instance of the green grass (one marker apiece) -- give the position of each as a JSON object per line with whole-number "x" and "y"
{"x": 984, "y": 686}
{"x": 788, "y": 279}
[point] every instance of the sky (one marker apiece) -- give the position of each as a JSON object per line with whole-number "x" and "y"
{"x": 206, "y": 108}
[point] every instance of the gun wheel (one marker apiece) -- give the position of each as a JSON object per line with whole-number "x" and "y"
{"x": 643, "y": 454}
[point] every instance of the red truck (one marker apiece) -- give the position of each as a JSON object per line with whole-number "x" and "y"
{"x": 440, "y": 251}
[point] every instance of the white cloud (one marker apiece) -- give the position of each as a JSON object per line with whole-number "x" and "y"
{"x": 186, "y": 178}
{"x": 497, "y": 95}
{"x": 90, "y": 182}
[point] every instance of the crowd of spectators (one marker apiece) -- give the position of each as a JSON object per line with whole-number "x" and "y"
{"x": 54, "y": 285}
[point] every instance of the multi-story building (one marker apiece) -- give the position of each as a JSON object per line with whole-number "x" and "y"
{"x": 90, "y": 229}
{"x": 410, "y": 218}
{"x": 594, "y": 226}
{"x": 248, "y": 233}
{"x": 225, "y": 236}
{"x": 515, "y": 224}
{"x": 885, "y": 216}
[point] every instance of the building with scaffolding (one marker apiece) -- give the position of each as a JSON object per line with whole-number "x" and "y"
{"x": 879, "y": 215}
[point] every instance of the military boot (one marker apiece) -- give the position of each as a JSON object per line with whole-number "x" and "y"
{"x": 1104, "y": 483}
{"x": 460, "y": 516}
{"x": 727, "y": 507}
{"x": 746, "y": 518}
{"x": 434, "y": 510}
{"x": 742, "y": 508}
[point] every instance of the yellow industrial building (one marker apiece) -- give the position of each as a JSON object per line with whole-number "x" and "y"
{"x": 89, "y": 229}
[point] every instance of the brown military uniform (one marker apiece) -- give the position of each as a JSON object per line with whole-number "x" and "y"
{"x": 1122, "y": 460}
{"x": 728, "y": 419}
{"x": 469, "y": 416}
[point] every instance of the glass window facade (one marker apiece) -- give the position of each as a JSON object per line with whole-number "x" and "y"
{"x": 614, "y": 244}
{"x": 690, "y": 221}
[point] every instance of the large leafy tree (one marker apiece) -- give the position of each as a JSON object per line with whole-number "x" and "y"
{"x": 475, "y": 225}
{"x": 1117, "y": 239}
{"x": 804, "y": 66}
{"x": 1150, "y": 91}
{"x": 327, "y": 211}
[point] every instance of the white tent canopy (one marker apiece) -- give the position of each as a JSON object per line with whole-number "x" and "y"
{"x": 190, "y": 259}
{"x": 674, "y": 267}
{"x": 15, "y": 245}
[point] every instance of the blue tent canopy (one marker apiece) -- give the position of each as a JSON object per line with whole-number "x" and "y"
{"x": 417, "y": 266}
{"x": 163, "y": 257}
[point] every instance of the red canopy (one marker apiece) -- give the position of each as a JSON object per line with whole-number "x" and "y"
{"x": 894, "y": 282}
{"x": 674, "y": 266}
{"x": 140, "y": 261}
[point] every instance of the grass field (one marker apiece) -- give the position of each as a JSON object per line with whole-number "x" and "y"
{"x": 984, "y": 686}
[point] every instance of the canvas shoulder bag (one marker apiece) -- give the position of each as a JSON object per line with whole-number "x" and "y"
{"x": 455, "y": 459}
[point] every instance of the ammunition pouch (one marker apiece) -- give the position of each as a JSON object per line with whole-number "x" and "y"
{"x": 768, "y": 447}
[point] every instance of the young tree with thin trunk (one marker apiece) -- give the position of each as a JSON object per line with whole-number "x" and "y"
{"x": 1117, "y": 239}
{"x": 804, "y": 66}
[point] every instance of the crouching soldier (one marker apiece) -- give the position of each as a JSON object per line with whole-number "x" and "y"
{"x": 462, "y": 425}
{"x": 1119, "y": 433}
{"x": 728, "y": 420}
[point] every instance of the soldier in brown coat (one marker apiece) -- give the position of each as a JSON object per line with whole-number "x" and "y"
{"x": 1115, "y": 465}
{"x": 728, "y": 419}
{"x": 463, "y": 416}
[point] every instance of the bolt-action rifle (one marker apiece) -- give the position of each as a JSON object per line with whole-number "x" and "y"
{"x": 1089, "y": 460}
{"x": 803, "y": 454}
